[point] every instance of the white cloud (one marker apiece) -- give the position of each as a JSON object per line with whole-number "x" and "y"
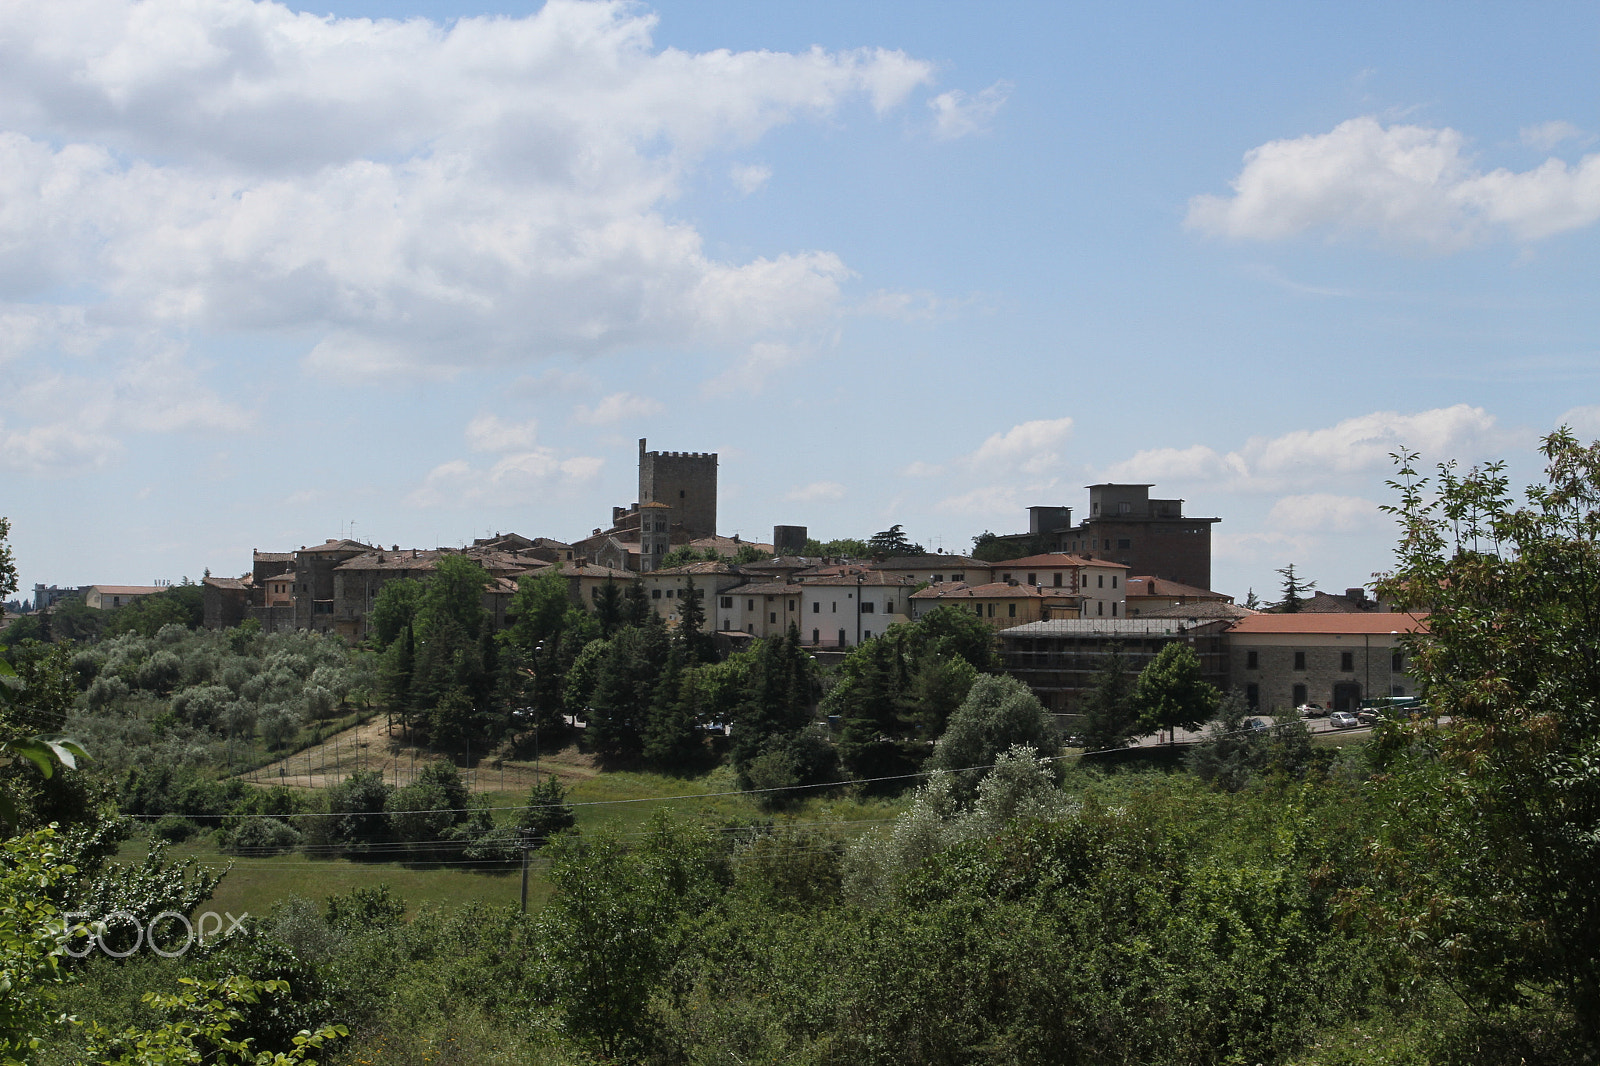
{"x": 1583, "y": 421}
{"x": 490, "y": 433}
{"x": 750, "y": 178}
{"x": 618, "y": 407}
{"x": 1353, "y": 446}
{"x": 1545, "y": 136}
{"x": 521, "y": 477}
{"x": 993, "y": 503}
{"x": 957, "y": 114}
{"x": 918, "y": 468}
{"x": 751, "y": 370}
{"x": 1322, "y": 512}
{"x": 58, "y": 423}
{"x": 1029, "y": 447}
{"x": 816, "y": 491}
{"x": 1409, "y": 185}
{"x": 421, "y": 198}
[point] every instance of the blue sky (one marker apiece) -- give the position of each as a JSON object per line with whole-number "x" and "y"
{"x": 272, "y": 273}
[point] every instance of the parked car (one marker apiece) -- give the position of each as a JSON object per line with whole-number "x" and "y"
{"x": 1312, "y": 710}
{"x": 1257, "y": 724}
{"x": 1343, "y": 720}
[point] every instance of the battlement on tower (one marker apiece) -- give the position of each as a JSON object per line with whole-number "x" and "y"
{"x": 684, "y": 481}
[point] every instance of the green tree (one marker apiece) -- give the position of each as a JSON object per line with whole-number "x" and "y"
{"x": 394, "y": 610}
{"x": 1171, "y": 694}
{"x": 548, "y": 811}
{"x": 839, "y": 548}
{"x": 608, "y": 608}
{"x": 1294, "y": 591}
{"x": 1110, "y": 711}
{"x": 998, "y": 714}
{"x": 691, "y": 635}
{"x": 1492, "y": 835}
{"x": 539, "y": 608}
{"x": 892, "y": 541}
{"x": 625, "y": 689}
{"x": 1233, "y": 752}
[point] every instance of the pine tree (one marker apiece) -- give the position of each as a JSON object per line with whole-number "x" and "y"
{"x": 1294, "y": 591}
{"x": 1110, "y": 715}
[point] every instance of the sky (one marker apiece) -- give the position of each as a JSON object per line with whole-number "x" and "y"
{"x": 420, "y": 272}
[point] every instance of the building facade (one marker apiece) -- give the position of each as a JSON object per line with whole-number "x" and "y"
{"x": 684, "y": 481}
{"x": 1281, "y": 661}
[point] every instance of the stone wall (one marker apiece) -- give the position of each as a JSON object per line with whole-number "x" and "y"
{"x": 684, "y": 481}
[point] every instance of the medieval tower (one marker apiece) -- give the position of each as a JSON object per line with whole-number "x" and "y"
{"x": 684, "y": 481}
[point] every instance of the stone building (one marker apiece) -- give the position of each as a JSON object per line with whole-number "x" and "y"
{"x": 1058, "y": 659}
{"x": 684, "y": 481}
{"x": 1125, "y": 525}
{"x": 1280, "y": 661}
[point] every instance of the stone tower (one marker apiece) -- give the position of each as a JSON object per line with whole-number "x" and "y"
{"x": 685, "y": 482}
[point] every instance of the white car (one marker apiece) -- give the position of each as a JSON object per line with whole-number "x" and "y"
{"x": 1342, "y": 720}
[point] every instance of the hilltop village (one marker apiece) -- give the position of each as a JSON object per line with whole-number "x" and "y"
{"x": 1135, "y": 572}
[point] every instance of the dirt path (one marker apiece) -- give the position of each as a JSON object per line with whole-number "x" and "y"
{"x": 373, "y": 745}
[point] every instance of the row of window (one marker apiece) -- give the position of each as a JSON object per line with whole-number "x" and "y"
{"x": 1347, "y": 661}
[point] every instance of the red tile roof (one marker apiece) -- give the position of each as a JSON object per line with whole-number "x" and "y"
{"x": 1348, "y": 624}
{"x": 1056, "y": 559}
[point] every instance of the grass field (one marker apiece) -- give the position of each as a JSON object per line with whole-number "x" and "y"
{"x": 619, "y": 802}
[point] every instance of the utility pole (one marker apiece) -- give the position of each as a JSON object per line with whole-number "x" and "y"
{"x": 525, "y": 840}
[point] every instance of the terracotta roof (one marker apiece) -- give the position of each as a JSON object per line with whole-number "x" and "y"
{"x": 274, "y": 557}
{"x": 705, "y": 566}
{"x": 1160, "y": 586}
{"x": 854, "y": 576}
{"x": 1357, "y": 624}
{"x": 765, "y": 588}
{"x": 226, "y": 582}
{"x": 1208, "y": 609}
{"x": 129, "y": 590}
{"x": 1059, "y": 559}
{"x": 994, "y": 590}
{"x": 591, "y": 570}
{"x": 936, "y": 560}
{"x": 406, "y": 559}
{"x": 331, "y": 545}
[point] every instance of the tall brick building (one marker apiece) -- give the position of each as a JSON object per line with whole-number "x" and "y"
{"x": 1151, "y": 537}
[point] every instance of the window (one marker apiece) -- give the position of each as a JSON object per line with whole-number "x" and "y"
{"x": 1005, "y": 577}
{"x": 1397, "y": 690}
{"x": 791, "y": 605}
{"x": 1124, "y": 543}
{"x": 816, "y": 606}
{"x": 750, "y": 627}
{"x": 727, "y": 601}
{"x": 1252, "y": 697}
{"x": 1011, "y": 610}
{"x": 1299, "y": 664}
{"x": 866, "y": 634}
{"x": 1058, "y": 579}
{"x": 1124, "y": 508}
{"x": 749, "y": 605}
{"x": 835, "y": 606}
{"x": 680, "y": 494}
{"x": 991, "y": 610}
{"x": 1033, "y": 579}
{"x": 773, "y": 617}
{"x": 1299, "y": 697}
{"x": 937, "y": 578}
{"x": 1252, "y": 660}
{"x": 958, "y": 577}
{"x": 1113, "y": 580}
{"x": 866, "y": 608}
{"x": 1113, "y": 608}
{"x": 1347, "y": 660}
{"x": 816, "y": 636}
{"x": 977, "y": 609}
{"x": 669, "y": 593}
{"x": 655, "y": 594}
{"x": 1101, "y": 582}
{"x": 1099, "y": 607}
{"x": 1397, "y": 662}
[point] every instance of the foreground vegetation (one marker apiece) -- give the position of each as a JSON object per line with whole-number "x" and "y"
{"x": 1419, "y": 898}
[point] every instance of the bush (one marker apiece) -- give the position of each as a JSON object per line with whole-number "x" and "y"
{"x": 262, "y": 836}
{"x": 173, "y": 829}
